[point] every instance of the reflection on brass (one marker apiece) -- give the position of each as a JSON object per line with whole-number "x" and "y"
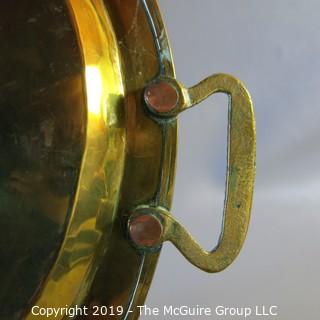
{"x": 42, "y": 124}
{"x": 88, "y": 132}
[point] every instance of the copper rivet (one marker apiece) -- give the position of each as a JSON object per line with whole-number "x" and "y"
{"x": 161, "y": 96}
{"x": 145, "y": 230}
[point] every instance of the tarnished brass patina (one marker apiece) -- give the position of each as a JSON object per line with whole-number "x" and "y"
{"x": 89, "y": 106}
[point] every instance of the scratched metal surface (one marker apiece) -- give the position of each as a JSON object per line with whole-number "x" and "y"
{"x": 273, "y": 46}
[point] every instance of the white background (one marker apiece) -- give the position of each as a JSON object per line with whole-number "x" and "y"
{"x": 274, "y": 47}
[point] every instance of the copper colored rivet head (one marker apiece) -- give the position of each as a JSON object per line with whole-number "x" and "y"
{"x": 145, "y": 230}
{"x": 161, "y": 96}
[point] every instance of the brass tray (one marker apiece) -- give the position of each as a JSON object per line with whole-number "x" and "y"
{"x": 89, "y": 110}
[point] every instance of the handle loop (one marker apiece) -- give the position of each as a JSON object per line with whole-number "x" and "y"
{"x": 240, "y": 171}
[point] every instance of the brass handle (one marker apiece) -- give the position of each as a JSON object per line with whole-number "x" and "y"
{"x": 240, "y": 171}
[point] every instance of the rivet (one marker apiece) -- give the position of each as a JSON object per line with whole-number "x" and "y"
{"x": 161, "y": 96}
{"x": 145, "y": 230}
